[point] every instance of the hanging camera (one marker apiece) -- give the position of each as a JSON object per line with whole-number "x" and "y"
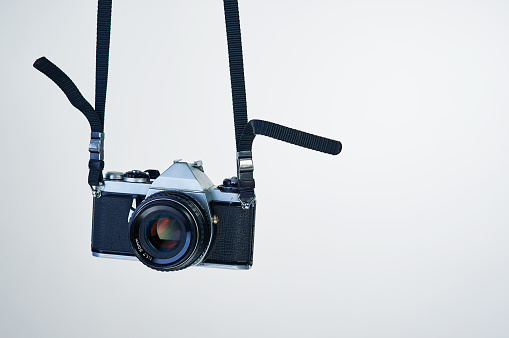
{"x": 179, "y": 218}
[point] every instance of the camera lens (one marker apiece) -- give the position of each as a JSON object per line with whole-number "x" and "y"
{"x": 169, "y": 231}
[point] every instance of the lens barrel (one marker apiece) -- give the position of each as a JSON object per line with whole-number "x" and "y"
{"x": 169, "y": 231}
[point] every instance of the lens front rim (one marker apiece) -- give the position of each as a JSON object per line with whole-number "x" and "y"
{"x": 198, "y": 230}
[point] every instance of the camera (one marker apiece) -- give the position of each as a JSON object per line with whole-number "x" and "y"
{"x": 179, "y": 218}
{"x": 173, "y": 220}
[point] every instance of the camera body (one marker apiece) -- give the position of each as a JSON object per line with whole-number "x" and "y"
{"x": 173, "y": 220}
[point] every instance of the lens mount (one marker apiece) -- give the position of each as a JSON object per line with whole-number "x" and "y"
{"x": 169, "y": 231}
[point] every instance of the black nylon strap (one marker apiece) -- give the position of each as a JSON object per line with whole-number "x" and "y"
{"x": 95, "y": 175}
{"x": 282, "y": 133}
{"x": 245, "y": 131}
{"x": 246, "y": 190}
{"x": 94, "y": 116}
{"x": 70, "y": 90}
{"x": 231, "y": 14}
{"x": 102, "y": 55}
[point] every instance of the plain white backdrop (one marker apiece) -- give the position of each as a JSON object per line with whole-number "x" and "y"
{"x": 404, "y": 234}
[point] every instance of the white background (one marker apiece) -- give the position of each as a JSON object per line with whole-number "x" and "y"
{"x": 404, "y": 234}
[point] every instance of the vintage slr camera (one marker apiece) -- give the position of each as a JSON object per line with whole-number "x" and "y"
{"x": 177, "y": 219}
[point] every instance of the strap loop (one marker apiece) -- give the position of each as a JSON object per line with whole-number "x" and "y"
{"x": 95, "y": 177}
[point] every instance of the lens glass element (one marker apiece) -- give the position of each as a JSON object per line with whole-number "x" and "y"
{"x": 165, "y": 233}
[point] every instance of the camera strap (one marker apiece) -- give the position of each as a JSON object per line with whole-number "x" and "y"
{"x": 95, "y": 116}
{"x": 245, "y": 131}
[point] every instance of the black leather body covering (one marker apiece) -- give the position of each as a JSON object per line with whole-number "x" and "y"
{"x": 234, "y": 235}
{"x": 110, "y": 233}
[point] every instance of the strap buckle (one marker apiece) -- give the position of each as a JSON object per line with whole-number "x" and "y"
{"x": 246, "y": 180}
{"x": 96, "y": 149}
{"x": 96, "y": 146}
{"x": 245, "y": 166}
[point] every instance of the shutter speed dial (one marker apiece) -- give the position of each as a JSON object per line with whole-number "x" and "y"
{"x": 136, "y": 176}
